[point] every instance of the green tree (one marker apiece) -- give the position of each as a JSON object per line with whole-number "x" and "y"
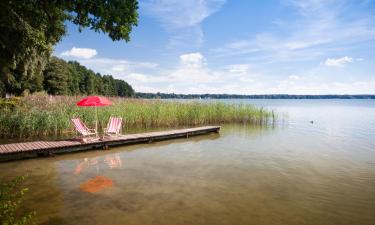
{"x": 123, "y": 89}
{"x": 31, "y": 28}
{"x": 73, "y": 81}
{"x": 56, "y": 76}
{"x": 78, "y": 73}
{"x": 108, "y": 86}
{"x": 61, "y": 77}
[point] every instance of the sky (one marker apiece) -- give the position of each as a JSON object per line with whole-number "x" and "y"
{"x": 238, "y": 47}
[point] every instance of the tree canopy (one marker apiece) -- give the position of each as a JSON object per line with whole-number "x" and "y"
{"x": 30, "y": 29}
{"x": 71, "y": 78}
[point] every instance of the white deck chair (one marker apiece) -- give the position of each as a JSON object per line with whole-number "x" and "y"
{"x": 114, "y": 126}
{"x": 82, "y": 128}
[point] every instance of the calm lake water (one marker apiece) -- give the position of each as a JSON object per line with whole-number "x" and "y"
{"x": 297, "y": 172}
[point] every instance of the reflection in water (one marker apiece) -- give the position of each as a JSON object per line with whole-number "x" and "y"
{"x": 96, "y": 184}
{"x": 84, "y": 164}
{"x": 302, "y": 173}
{"x": 112, "y": 161}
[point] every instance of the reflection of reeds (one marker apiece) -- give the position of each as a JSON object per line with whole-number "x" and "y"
{"x": 43, "y": 115}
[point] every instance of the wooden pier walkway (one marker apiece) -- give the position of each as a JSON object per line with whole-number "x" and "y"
{"x": 44, "y": 148}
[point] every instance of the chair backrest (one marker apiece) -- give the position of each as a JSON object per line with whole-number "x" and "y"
{"x": 114, "y": 124}
{"x": 80, "y": 126}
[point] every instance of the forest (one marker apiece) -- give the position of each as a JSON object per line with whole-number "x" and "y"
{"x": 70, "y": 78}
{"x": 31, "y": 29}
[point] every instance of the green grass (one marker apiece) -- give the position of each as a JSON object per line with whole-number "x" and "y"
{"x": 41, "y": 115}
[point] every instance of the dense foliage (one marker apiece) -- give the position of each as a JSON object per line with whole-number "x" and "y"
{"x": 237, "y": 96}
{"x": 71, "y": 78}
{"x": 40, "y": 115}
{"x": 29, "y": 29}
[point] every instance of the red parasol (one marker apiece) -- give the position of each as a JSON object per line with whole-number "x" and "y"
{"x": 94, "y": 101}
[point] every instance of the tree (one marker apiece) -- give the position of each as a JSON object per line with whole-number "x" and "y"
{"x": 31, "y": 28}
{"x": 56, "y": 76}
{"x": 108, "y": 86}
{"x": 71, "y": 78}
{"x": 123, "y": 89}
{"x": 26, "y": 41}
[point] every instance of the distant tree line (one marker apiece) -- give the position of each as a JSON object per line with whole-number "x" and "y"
{"x": 236, "y": 96}
{"x": 71, "y": 78}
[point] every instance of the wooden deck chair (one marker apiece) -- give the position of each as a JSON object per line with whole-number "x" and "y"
{"x": 81, "y": 128}
{"x": 114, "y": 126}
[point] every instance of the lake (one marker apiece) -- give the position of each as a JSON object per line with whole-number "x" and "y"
{"x": 316, "y": 166}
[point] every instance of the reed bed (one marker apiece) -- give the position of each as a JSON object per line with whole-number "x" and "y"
{"x": 41, "y": 115}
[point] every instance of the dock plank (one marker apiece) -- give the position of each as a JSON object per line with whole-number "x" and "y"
{"x": 18, "y": 147}
{"x": 35, "y": 145}
{"x": 7, "y": 148}
{"x": 23, "y": 147}
{"x": 2, "y": 149}
{"x": 61, "y": 146}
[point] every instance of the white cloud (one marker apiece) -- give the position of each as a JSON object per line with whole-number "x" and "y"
{"x": 186, "y": 38}
{"x": 338, "y": 62}
{"x": 314, "y": 88}
{"x": 116, "y": 67}
{"x": 193, "y": 75}
{"x": 181, "y": 19}
{"x": 238, "y": 68}
{"x": 192, "y": 70}
{"x": 294, "y": 77}
{"x": 321, "y": 29}
{"x": 83, "y": 53}
{"x": 175, "y": 14}
{"x": 194, "y": 60}
{"x": 246, "y": 80}
{"x": 142, "y": 78}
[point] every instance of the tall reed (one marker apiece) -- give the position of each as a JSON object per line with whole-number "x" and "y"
{"x": 42, "y": 115}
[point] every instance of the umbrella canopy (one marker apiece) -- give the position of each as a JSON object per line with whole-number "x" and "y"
{"x": 94, "y": 101}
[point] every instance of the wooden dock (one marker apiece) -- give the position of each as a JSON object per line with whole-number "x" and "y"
{"x": 45, "y": 148}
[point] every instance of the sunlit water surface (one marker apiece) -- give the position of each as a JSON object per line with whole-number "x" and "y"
{"x": 298, "y": 172}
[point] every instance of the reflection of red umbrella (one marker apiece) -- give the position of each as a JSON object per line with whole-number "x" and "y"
{"x": 96, "y": 184}
{"x": 94, "y": 101}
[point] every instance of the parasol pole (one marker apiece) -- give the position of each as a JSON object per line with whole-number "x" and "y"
{"x": 96, "y": 121}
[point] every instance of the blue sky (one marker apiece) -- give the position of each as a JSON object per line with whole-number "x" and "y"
{"x": 241, "y": 47}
